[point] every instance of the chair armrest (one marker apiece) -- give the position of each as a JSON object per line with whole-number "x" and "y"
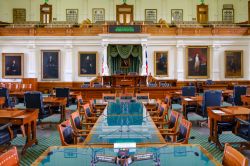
{"x": 170, "y": 134}
{"x": 243, "y": 121}
{"x": 5, "y": 126}
{"x": 87, "y": 123}
{"x": 80, "y": 131}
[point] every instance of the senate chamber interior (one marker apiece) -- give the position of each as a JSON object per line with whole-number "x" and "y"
{"x": 124, "y": 82}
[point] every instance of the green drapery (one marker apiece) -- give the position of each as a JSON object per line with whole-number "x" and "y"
{"x": 116, "y": 53}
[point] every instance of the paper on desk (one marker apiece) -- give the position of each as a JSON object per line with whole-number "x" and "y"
{"x": 187, "y": 99}
{"x": 218, "y": 112}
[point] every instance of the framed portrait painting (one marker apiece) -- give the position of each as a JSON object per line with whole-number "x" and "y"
{"x": 197, "y": 62}
{"x": 125, "y": 63}
{"x": 176, "y": 15}
{"x": 51, "y": 64}
{"x": 234, "y": 64}
{"x": 87, "y": 63}
{"x": 12, "y": 65}
{"x": 161, "y": 64}
{"x": 151, "y": 15}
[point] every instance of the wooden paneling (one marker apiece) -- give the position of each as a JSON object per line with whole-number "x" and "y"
{"x": 94, "y": 30}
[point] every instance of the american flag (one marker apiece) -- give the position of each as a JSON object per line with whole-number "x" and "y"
{"x": 146, "y": 62}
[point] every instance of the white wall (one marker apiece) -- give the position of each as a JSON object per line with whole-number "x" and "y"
{"x": 85, "y": 8}
{"x": 176, "y": 47}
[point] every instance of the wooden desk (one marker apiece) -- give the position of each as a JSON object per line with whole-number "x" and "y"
{"x": 27, "y": 117}
{"x": 56, "y": 101}
{"x": 223, "y": 114}
{"x": 17, "y": 94}
{"x": 196, "y": 100}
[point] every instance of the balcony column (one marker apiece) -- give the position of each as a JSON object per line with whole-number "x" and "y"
{"x": 180, "y": 62}
{"x": 144, "y": 49}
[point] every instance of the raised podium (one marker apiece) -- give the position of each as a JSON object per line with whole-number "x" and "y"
{"x": 125, "y": 80}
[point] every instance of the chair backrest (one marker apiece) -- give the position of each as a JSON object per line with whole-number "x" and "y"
{"x": 108, "y": 96}
{"x": 142, "y": 96}
{"x": 4, "y": 92}
{"x": 63, "y": 92}
{"x": 167, "y": 100}
{"x": 126, "y": 96}
{"x": 97, "y": 85}
{"x": 87, "y": 111}
{"x": 184, "y": 131}
{"x": 85, "y": 85}
{"x": 209, "y": 82}
{"x": 66, "y": 133}
{"x": 152, "y": 84}
{"x": 211, "y": 98}
{"x": 164, "y": 84}
{"x": 238, "y": 91}
{"x": 33, "y": 99}
{"x": 233, "y": 157}
{"x": 76, "y": 121}
{"x": 173, "y": 120}
{"x": 9, "y": 158}
{"x": 188, "y": 90}
{"x": 163, "y": 110}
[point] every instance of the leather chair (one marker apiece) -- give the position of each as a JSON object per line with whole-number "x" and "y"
{"x": 142, "y": 96}
{"x": 210, "y": 98}
{"x": 108, "y": 97}
{"x": 4, "y": 92}
{"x": 89, "y": 116}
{"x": 77, "y": 123}
{"x": 126, "y": 96}
{"x": 34, "y": 99}
{"x": 238, "y": 91}
{"x": 188, "y": 91}
{"x": 209, "y": 82}
{"x": 232, "y": 157}
{"x": 6, "y": 134}
{"x": 10, "y": 158}
{"x": 68, "y": 136}
{"x": 152, "y": 84}
{"x": 63, "y": 92}
{"x": 243, "y": 128}
{"x": 160, "y": 115}
{"x": 172, "y": 123}
{"x": 181, "y": 136}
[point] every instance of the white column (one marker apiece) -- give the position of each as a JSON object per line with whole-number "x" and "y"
{"x": 246, "y": 62}
{"x": 104, "y": 57}
{"x": 215, "y": 64}
{"x": 30, "y": 63}
{"x": 180, "y": 62}
{"x": 143, "y": 70}
{"x": 67, "y": 68}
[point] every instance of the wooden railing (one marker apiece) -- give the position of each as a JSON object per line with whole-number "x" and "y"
{"x": 155, "y": 30}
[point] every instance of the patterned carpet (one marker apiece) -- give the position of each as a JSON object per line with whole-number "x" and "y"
{"x": 49, "y": 137}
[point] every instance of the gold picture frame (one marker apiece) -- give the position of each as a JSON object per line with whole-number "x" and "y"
{"x": 161, "y": 63}
{"x": 125, "y": 63}
{"x": 51, "y": 65}
{"x": 87, "y": 63}
{"x": 234, "y": 64}
{"x": 197, "y": 62}
{"x": 12, "y": 65}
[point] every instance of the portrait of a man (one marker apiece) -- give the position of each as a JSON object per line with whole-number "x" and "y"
{"x": 233, "y": 64}
{"x": 87, "y": 63}
{"x": 12, "y": 65}
{"x": 50, "y": 64}
{"x": 161, "y": 63}
{"x": 197, "y": 62}
{"x": 125, "y": 63}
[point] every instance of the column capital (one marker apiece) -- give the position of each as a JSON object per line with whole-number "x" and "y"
{"x": 180, "y": 46}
